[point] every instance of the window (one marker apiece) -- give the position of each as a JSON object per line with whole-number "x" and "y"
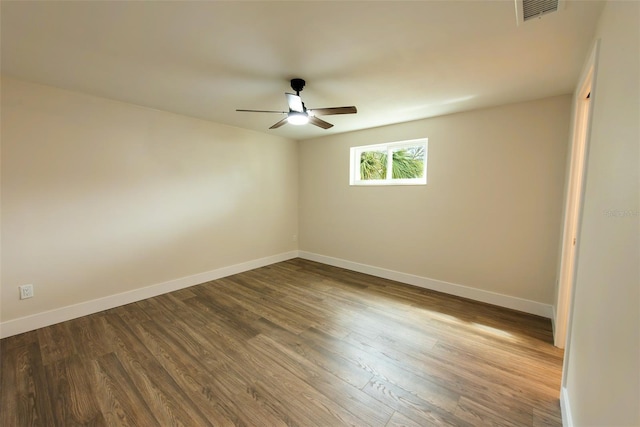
{"x": 393, "y": 163}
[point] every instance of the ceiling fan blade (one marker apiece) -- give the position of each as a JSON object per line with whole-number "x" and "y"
{"x": 295, "y": 102}
{"x": 333, "y": 110}
{"x": 280, "y": 123}
{"x": 319, "y": 122}
{"x": 262, "y": 111}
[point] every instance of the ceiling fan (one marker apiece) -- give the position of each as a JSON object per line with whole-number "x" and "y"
{"x": 298, "y": 114}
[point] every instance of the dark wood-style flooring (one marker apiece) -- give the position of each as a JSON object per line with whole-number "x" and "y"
{"x": 296, "y": 343}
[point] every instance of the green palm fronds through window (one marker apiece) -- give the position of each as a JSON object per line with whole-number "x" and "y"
{"x": 373, "y": 165}
{"x": 406, "y": 163}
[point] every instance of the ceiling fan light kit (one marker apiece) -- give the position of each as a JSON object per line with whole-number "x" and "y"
{"x": 296, "y": 118}
{"x": 299, "y": 114}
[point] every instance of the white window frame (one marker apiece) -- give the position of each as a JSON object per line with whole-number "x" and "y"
{"x": 356, "y": 152}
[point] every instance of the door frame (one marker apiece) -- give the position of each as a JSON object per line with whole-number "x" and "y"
{"x": 582, "y": 112}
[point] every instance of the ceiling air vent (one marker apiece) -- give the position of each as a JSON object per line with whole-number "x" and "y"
{"x": 532, "y": 9}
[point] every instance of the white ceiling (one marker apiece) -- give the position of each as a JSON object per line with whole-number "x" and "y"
{"x": 396, "y": 61}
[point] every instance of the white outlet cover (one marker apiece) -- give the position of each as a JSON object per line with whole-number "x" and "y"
{"x": 26, "y": 291}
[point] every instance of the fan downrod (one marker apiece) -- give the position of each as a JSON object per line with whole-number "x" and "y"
{"x": 297, "y": 85}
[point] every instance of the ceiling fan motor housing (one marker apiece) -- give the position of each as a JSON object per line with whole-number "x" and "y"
{"x": 297, "y": 85}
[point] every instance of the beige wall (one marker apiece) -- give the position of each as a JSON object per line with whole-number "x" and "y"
{"x": 603, "y": 356}
{"x": 488, "y": 218}
{"x": 102, "y": 197}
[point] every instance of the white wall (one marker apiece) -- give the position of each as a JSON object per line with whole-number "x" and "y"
{"x": 101, "y": 197}
{"x": 489, "y": 217}
{"x": 603, "y": 357}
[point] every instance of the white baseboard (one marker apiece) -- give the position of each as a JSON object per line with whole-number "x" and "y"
{"x": 515, "y": 303}
{"x": 567, "y": 420}
{"x": 39, "y": 320}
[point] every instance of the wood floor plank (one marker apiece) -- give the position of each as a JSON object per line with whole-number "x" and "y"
{"x": 218, "y": 300}
{"x": 240, "y": 370}
{"x": 523, "y": 378}
{"x": 56, "y": 343}
{"x": 295, "y": 343}
{"x": 547, "y": 415}
{"x": 169, "y": 403}
{"x": 368, "y": 409}
{"x": 24, "y": 378}
{"x": 317, "y": 407}
{"x": 269, "y": 309}
{"x": 447, "y": 373}
{"x": 415, "y": 405}
{"x": 480, "y": 415}
{"x": 259, "y": 371}
{"x": 194, "y": 366}
{"x": 399, "y": 420}
{"x": 120, "y": 401}
{"x": 88, "y": 334}
{"x": 197, "y": 381}
{"x": 348, "y": 371}
{"x": 71, "y": 394}
{"x": 131, "y": 313}
{"x": 9, "y": 379}
{"x": 240, "y": 325}
{"x": 393, "y": 378}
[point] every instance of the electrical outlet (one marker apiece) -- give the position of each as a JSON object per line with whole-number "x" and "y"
{"x": 294, "y": 238}
{"x": 26, "y": 291}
